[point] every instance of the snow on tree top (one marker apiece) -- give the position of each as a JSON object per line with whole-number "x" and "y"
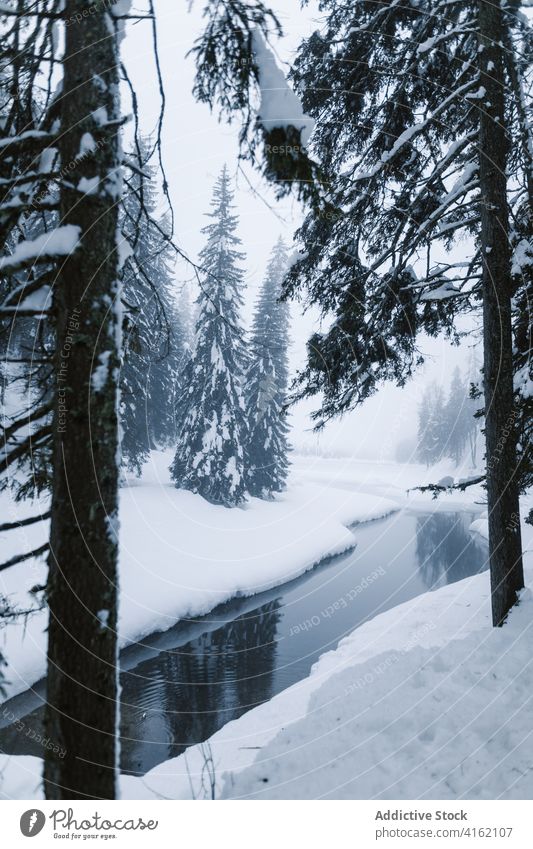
{"x": 280, "y": 106}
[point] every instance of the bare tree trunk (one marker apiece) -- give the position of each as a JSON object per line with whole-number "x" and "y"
{"x": 505, "y": 545}
{"x": 81, "y": 713}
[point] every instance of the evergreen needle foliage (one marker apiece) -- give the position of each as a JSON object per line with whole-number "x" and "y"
{"x": 213, "y": 433}
{"x": 266, "y": 384}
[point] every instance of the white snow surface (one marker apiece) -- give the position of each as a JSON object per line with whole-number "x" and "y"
{"x": 180, "y": 556}
{"x": 426, "y": 700}
{"x": 440, "y": 722}
{"x": 280, "y": 105}
{"x": 59, "y": 242}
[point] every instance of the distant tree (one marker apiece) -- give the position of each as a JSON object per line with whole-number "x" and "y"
{"x": 187, "y": 320}
{"x": 153, "y": 338}
{"x": 431, "y": 425}
{"x": 266, "y": 384}
{"x": 213, "y": 432}
{"x": 459, "y": 421}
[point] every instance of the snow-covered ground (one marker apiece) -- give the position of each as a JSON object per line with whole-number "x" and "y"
{"x": 181, "y": 556}
{"x": 425, "y": 700}
{"x": 442, "y": 722}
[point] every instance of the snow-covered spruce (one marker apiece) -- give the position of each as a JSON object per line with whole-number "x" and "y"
{"x": 210, "y": 452}
{"x": 266, "y": 385}
{"x": 431, "y": 425}
{"x": 154, "y": 349}
{"x": 416, "y": 155}
{"x": 459, "y": 418}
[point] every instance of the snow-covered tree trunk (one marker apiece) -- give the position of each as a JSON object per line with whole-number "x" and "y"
{"x": 81, "y": 711}
{"x": 500, "y": 428}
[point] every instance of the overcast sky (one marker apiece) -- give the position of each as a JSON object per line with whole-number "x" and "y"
{"x": 195, "y": 148}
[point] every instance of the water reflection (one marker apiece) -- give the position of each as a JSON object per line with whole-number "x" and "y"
{"x": 446, "y": 551}
{"x": 179, "y": 687}
{"x": 184, "y": 695}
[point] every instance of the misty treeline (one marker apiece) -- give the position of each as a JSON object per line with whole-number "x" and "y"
{"x": 447, "y": 422}
{"x": 421, "y": 142}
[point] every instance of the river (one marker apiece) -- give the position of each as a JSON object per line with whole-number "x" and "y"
{"x": 180, "y": 686}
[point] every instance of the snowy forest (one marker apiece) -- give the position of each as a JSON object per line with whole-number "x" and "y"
{"x": 266, "y": 287}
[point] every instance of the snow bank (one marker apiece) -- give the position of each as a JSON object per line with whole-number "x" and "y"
{"x": 181, "y": 556}
{"x": 429, "y": 624}
{"x": 397, "y": 481}
{"x": 424, "y": 700}
{"x": 427, "y": 621}
{"x": 423, "y": 723}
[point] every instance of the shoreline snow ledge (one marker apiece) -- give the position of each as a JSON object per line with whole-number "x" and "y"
{"x": 218, "y": 554}
{"x": 180, "y": 557}
{"x": 450, "y": 722}
{"x": 348, "y": 730}
{"x": 355, "y": 691}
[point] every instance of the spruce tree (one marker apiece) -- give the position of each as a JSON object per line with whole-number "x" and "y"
{"x": 266, "y": 384}
{"x": 459, "y": 417}
{"x": 424, "y": 135}
{"x": 153, "y": 345}
{"x": 210, "y": 452}
{"x": 432, "y": 435}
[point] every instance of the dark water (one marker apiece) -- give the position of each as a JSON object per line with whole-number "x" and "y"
{"x": 181, "y": 686}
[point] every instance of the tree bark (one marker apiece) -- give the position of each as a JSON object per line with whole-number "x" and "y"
{"x": 505, "y": 547}
{"x": 81, "y": 711}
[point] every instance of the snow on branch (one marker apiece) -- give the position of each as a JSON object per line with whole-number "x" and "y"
{"x": 58, "y": 243}
{"x": 409, "y": 135}
{"x": 441, "y": 293}
{"x": 444, "y": 486}
{"x": 38, "y": 137}
{"x": 280, "y": 106}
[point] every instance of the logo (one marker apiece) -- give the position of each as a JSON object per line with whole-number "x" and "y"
{"x": 32, "y": 822}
